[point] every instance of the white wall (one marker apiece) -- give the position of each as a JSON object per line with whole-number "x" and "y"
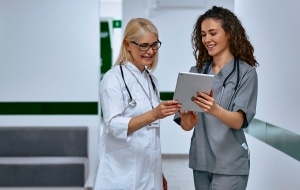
{"x": 270, "y": 168}
{"x": 43, "y": 51}
{"x": 175, "y": 26}
{"x": 276, "y": 36}
{"x": 49, "y": 51}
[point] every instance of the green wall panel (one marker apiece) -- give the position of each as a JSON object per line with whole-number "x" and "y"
{"x": 166, "y": 95}
{"x": 48, "y": 108}
{"x": 105, "y": 47}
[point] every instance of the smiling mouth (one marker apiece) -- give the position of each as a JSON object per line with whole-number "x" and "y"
{"x": 210, "y": 46}
{"x": 147, "y": 57}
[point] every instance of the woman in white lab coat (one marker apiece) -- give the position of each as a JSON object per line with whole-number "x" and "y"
{"x": 129, "y": 151}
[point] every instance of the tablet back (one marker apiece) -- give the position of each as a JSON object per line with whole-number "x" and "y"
{"x": 187, "y": 86}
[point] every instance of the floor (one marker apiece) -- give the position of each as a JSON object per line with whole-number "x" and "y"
{"x": 175, "y": 168}
{"x": 177, "y": 172}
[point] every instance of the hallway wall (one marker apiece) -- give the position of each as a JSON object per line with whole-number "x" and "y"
{"x": 276, "y": 36}
{"x": 49, "y": 65}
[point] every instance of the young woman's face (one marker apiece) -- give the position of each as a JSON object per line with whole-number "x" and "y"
{"x": 214, "y": 37}
{"x": 141, "y": 54}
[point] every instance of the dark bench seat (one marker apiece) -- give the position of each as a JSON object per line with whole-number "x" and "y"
{"x": 43, "y": 156}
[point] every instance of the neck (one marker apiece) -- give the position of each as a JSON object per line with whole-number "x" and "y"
{"x": 220, "y": 61}
{"x": 139, "y": 66}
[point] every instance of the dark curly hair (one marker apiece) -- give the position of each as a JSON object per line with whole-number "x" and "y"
{"x": 239, "y": 43}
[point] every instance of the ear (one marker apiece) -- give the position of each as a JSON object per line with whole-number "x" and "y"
{"x": 228, "y": 36}
{"x": 126, "y": 44}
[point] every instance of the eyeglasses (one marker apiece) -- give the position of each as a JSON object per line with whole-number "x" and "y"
{"x": 146, "y": 46}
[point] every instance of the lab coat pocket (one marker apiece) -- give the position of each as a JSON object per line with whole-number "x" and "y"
{"x": 114, "y": 144}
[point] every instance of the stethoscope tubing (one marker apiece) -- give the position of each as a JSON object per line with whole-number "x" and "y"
{"x": 130, "y": 96}
{"x": 236, "y": 68}
{"x": 131, "y": 101}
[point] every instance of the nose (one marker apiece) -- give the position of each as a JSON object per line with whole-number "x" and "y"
{"x": 206, "y": 38}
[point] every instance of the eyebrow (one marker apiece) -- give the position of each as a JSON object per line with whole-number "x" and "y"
{"x": 149, "y": 43}
{"x": 211, "y": 30}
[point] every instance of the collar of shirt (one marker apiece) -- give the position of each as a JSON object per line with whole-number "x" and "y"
{"x": 134, "y": 69}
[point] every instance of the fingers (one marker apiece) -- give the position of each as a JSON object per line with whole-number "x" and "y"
{"x": 187, "y": 112}
{"x": 171, "y": 102}
{"x": 167, "y": 108}
{"x": 171, "y": 111}
{"x": 183, "y": 111}
{"x": 202, "y": 95}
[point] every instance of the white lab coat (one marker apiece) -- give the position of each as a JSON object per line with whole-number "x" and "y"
{"x": 128, "y": 162}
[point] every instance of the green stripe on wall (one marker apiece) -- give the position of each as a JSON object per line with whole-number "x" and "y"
{"x": 57, "y": 108}
{"x": 48, "y": 108}
{"x": 277, "y": 137}
{"x": 166, "y": 95}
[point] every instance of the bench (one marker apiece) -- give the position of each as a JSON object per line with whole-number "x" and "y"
{"x": 43, "y": 156}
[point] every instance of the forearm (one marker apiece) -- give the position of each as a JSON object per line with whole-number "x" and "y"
{"x": 233, "y": 120}
{"x": 164, "y": 109}
{"x": 140, "y": 121}
{"x": 186, "y": 126}
{"x": 188, "y": 120}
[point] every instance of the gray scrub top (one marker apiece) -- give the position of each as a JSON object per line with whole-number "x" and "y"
{"x": 215, "y": 147}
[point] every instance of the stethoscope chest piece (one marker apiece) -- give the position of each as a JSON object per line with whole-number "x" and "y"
{"x": 131, "y": 102}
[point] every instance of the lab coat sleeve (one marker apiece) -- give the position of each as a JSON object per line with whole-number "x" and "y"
{"x": 111, "y": 102}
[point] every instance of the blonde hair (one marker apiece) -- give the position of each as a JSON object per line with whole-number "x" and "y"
{"x": 135, "y": 28}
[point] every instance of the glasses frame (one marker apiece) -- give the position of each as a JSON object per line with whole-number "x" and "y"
{"x": 149, "y": 45}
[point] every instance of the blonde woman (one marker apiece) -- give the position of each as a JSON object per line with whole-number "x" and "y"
{"x": 130, "y": 150}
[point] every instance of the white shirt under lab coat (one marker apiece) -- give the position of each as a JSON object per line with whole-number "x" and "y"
{"x": 128, "y": 162}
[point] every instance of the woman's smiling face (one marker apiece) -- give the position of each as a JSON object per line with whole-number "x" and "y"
{"x": 142, "y": 58}
{"x": 214, "y": 37}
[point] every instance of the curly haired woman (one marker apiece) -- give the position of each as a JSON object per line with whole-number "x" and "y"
{"x": 219, "y": 153}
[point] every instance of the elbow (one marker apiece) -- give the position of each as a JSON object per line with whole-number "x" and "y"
{"x": 238, "y": 127}
{"x": 240, "y": 120}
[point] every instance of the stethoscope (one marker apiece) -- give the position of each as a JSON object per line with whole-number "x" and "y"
{"x": 131, "y": 101}
{"x": 236, "y": 65}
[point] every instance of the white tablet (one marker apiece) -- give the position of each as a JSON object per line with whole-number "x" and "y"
{"x": 187, "y": 86}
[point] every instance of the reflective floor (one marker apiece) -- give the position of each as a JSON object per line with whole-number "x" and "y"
{"x": 177, "y": 172}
